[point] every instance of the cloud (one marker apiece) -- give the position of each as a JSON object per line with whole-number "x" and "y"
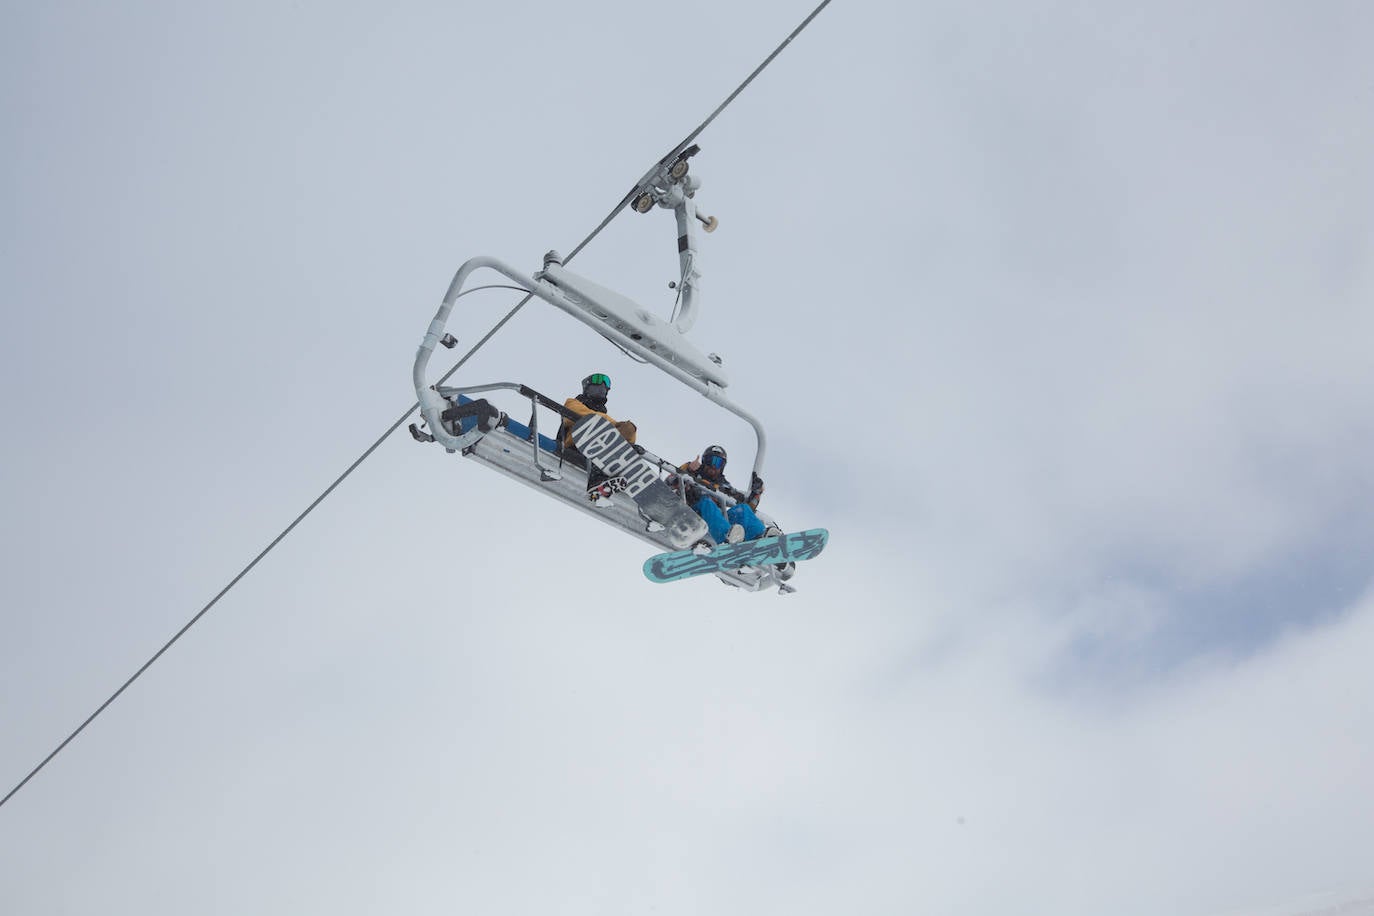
{"x": 1057, "y": 319}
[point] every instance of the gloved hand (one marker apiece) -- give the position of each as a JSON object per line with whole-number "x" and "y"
{"x": 755, "y": 484}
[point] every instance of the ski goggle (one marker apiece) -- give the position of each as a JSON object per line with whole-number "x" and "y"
{"x": 714, "y": 462}
{"x": 598, "y": 378}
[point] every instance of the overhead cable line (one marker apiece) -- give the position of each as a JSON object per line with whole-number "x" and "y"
{"x": 410, "y": 410}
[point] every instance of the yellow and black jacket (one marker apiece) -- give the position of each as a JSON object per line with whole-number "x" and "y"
{"x": 626, "y": 427}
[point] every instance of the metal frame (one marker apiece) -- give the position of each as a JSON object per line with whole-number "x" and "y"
{"x": 614, "y": 317}
{"x": 620, "y": 320}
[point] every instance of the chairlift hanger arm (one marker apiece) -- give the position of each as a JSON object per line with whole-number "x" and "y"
{"x": 668, "y": 185}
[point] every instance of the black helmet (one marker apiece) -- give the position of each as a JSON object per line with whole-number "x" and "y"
{"x": 714, "y": 458}
{"x": 595, "y": 387}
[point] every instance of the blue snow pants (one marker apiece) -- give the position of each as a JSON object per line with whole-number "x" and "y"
{"x": 719, "y": 522}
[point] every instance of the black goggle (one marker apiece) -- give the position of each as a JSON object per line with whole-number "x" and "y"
{"x": 597, "y": 379}
{"x": 714, "y": 462}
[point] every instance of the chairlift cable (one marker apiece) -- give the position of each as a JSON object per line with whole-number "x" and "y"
{"x": 681, "y": 147}
{"x": 687, "y": 141}
{"x": 254, "y": 562}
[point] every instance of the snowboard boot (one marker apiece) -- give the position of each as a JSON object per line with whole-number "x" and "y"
{"x": 735, "y": 534}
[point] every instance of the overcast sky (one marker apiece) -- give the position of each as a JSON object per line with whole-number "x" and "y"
{"x": 1059, "y": 317}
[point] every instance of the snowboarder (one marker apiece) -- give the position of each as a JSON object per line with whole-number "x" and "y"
{"x": 738, "y": 523}
{"x": 595, "y": 388}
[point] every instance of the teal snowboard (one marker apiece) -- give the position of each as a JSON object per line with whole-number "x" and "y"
{"x": 784, "y": 548}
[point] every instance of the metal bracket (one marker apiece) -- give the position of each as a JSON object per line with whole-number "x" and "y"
{"x": 546, "y": 474}
{"x": 656, "y": 185}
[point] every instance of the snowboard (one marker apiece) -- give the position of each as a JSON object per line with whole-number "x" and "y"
{"x": 611, "y": 453}
{"x": 784, "y": 548}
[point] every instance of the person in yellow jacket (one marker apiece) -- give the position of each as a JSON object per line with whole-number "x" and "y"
{"x": 595, "y": 389}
